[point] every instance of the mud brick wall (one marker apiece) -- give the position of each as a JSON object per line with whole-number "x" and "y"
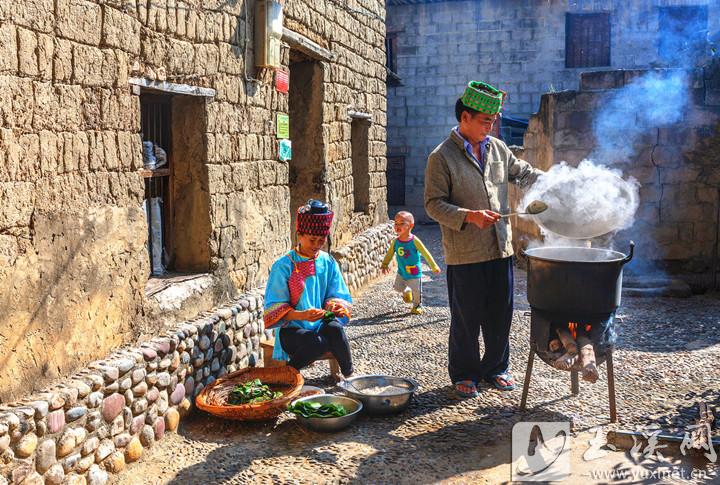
{"x": 107, "y": 414}
{"x": 73, "y": 235}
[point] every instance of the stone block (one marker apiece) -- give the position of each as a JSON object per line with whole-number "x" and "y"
{"x": 683, "y": 174}
{"x": 595, "y": 80}
{"x": 62, "y": 60}
{"x": 8, "y": 49}
{"x": 45, "y": 52}
{"x": 133, "y": 451}
{"x": 88, "y": 66}
{"x": 78, "y": 20}
{"x": 27, "y": 52}
{"x": 115, "y": 463}
{"x": 26, "y": 446}
{"x": 120, "y": 30}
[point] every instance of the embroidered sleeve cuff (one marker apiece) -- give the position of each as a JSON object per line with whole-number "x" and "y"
{"x": 274, "y": 314}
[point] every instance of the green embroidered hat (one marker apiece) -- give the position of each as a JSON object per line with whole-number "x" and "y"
{"x": 484, "y": 98}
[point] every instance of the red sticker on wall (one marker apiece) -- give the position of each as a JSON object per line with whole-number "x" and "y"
{"x": 282, "y": 80}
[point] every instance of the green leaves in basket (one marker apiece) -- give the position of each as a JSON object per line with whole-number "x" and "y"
{"x": 252, "y": 392}
{"x": 311, "y": 409}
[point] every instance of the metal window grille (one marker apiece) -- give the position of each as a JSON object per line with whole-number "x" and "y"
{"x": 155, "y": 111}
{"x": 587, "y": 40}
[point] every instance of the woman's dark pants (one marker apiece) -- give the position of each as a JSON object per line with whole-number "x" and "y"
{"x": 481, "y": 298}
{"x": 305, "y": 346}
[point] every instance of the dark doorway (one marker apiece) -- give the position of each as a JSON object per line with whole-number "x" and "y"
{"x": 307, "y": 166}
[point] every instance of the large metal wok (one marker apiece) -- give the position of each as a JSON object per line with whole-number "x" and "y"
{"x": 575, "y": 279}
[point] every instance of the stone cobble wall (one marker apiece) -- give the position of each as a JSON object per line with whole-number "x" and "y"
{"x": 675, "y": 164}
{"x": 516, "y": 45}
{"x": 360, "y": 259}
{"x": 104, "y": 416}
{"x": 73, "y": 235}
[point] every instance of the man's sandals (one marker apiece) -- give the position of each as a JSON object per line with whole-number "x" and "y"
{"x": 503, "y": 382}
{"x": 466, "y": 389}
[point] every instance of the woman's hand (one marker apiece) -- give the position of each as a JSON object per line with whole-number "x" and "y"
{"x": 338, "y": 310}
{"x": 313, "y": 314}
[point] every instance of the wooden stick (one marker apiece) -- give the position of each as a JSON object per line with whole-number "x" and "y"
{"x": 568, "y": 360}
{"x": 587, "y": 359}
{"x": 555, "y": 345}
{"x": 567, "y": 340}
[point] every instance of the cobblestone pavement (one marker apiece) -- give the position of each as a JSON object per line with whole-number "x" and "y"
{"x": 666, "y": 359}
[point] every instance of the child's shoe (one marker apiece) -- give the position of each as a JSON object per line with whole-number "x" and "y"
{"x": 407, "y": 295}
{"x": 417, "y": 310}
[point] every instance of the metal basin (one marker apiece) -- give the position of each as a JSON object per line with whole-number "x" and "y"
{"x": 380, "y": 404}
{"x": 352, "y": 406}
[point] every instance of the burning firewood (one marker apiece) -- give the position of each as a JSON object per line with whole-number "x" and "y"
{"x": 570, "y": 357}
{"x": 555, "y": 345}
{"x": 587, "y": 359}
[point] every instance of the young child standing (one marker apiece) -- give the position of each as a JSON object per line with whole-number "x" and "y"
{"x": 407, "y": 249}
{"x": 303, "y": 286}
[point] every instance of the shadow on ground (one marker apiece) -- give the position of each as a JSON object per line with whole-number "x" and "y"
{"x": 453, "y": 450}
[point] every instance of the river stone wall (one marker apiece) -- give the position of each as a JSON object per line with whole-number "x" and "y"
{"x": 106, "y": 415}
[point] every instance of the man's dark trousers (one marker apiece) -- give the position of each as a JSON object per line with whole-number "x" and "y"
{"x": 481, "y": 298}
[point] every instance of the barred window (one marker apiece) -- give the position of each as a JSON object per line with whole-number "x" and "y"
{"x": 155, "y": 113}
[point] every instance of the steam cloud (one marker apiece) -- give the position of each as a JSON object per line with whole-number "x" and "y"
{"x": 594, "y": 199}
{"x": 584, "y": 202}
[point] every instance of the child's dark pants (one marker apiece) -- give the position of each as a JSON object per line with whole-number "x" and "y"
{"x": 481, "y": 299}
{"x": 305, "y": 346}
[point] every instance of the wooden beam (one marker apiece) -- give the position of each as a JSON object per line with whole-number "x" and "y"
{"x": 306, "y": 46}
{"x": 172, "y": 88}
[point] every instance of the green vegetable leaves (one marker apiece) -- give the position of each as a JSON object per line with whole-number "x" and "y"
{"x": 312, "y": 409}
{"x": 252, "y": 392}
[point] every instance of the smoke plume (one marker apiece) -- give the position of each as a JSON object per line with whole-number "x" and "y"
{"x": 656, "y": 99}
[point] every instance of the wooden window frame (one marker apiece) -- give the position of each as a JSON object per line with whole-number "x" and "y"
{"x": 391, "y": 41}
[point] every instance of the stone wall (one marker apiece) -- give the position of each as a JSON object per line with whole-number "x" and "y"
{"x": 516, "y": 45}
{"x": 675, "y": 164}
{"x": 360, "y": 259}
{"x": 106, "y": 415}
{"x": 73, "y": 235}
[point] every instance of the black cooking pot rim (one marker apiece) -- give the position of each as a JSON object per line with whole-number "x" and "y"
{"x": 531, "y": 254}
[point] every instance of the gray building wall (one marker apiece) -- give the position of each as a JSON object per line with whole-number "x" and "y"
{"x": 516, "y": 45}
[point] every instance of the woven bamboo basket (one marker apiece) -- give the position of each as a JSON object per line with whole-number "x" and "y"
{"x": 213, "y": 398}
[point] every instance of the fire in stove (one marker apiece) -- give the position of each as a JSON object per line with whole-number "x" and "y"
{"x": 573, "y": 350}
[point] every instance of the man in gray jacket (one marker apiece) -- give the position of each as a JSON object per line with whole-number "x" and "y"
{"x": 466, "y": 190}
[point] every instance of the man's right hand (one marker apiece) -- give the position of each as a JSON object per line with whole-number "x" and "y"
{"x": 483, "y": 218}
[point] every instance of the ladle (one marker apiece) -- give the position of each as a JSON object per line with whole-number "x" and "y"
{"x": 534, "y": 207}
